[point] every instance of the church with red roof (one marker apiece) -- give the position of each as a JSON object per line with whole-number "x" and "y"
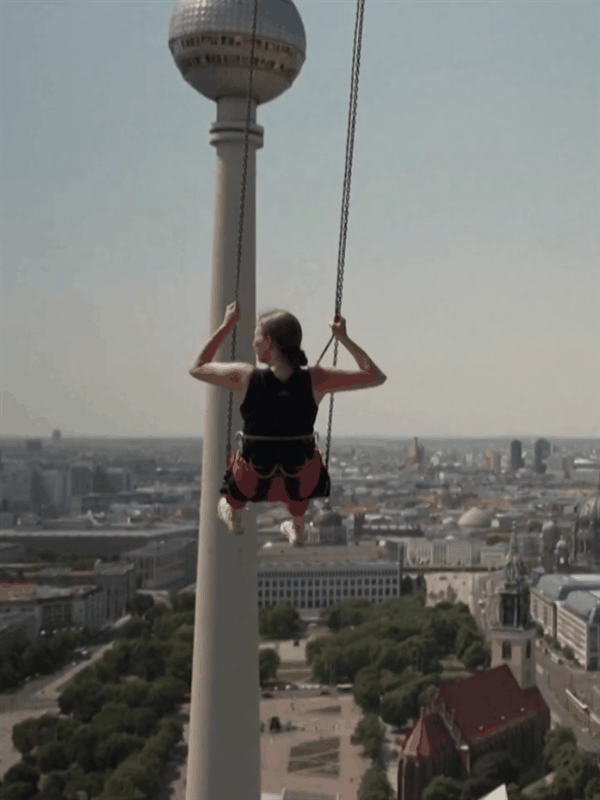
{"x": 468, "y": 718}
{"x": 497, "y": 709}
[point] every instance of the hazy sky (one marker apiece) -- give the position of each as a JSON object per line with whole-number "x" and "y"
{"x": 472, "y": 266}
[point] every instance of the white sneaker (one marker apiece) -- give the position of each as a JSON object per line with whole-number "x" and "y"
{"x": 231, "y": 518}
{"x": 289, "y": 530}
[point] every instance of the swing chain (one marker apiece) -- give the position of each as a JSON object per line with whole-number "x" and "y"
{"x": 242, "y": 212}
{"x": 358, "y": 30}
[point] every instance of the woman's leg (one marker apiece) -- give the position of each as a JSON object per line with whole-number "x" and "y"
{"x": 297, "y": 510}
{"x": 230, "y": 511}
{"x": 236, "y": 505}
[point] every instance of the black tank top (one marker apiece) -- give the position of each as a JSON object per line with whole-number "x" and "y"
{"x": 273, "y": 408}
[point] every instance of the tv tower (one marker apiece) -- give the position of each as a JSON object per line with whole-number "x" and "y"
{"x": 211, "y": 41}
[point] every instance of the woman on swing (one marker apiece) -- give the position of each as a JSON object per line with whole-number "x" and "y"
{"x": 279, "y": 408}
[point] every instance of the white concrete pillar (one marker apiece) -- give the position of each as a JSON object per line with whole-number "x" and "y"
{"x": 224, "y": 741}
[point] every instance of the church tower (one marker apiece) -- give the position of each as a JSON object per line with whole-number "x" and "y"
{"x": 512, "y": 633}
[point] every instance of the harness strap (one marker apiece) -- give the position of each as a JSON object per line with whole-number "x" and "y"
{"x": 278, "y": 469}
{"x": 304, "y": 437}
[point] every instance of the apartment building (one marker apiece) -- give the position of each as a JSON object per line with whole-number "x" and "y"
{"x": 555, "y": 588}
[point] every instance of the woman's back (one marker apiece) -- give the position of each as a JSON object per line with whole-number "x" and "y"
{"x": 273, "y": 407}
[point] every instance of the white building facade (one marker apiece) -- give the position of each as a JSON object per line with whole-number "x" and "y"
{"x": 318, "y": 585}
{"x": 578, "y": 626}
{"x": 89, "y": 606}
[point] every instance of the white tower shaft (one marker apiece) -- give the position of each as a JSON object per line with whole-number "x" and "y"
{"x": 224, "y": 738}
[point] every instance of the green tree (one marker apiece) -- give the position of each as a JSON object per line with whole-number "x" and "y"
{"x": 18, "y": 791}
{"x": 513, "y": 792}
{"x": 315, "y": 648}
{"x": 350, "y": 612}
{"x": 22, "y": 772}
{"x": 83, "y": 699}
{"x": 370, "y": 733}
{"x": 81, "y": 748}
{"x": 179, "y": 661}
{"x": 134, "y": 628}
{"x": 166, "y": 694}
{"x": 557, "y": 741}
{"x": 140, "y": 604}
{"x": 146, "y": 660}
{"x": 78, "y": 780}
{"x": 24, "y": 735}
{"x": 375, "y": 785}
{"x": 184, "y": 601}
{"x": 477, "y": 787}
{"x": 442, "y": 788}
{"x": 39, "y": 657}
{"x": 367, "y": 689}
{"x": 168, "y": 621}
{"x": 465, "y": 638}
{"x": 268, "y": 664}
{"x": 498, "y": 765}
{"x": 395, "y": 658}
{"x": 280, "y": 622}
{"x": 133, "y": 693}
{"x": 145, "y": 721}
{"x": 580, "y": 771}
{"x": 113, "y": 749}
{"x": 115, "y": 663}
{"x": 592, "y": 790}
{"x": 52, "y": 756}
{"x": 52, "y": 786}
{"x": 476, "y": 655}
{"x": 442, "y": 629}
{"x": 113, "y": 718}
{"x": 403, "y": 704}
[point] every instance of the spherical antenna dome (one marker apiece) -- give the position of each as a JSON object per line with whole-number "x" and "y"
{"x": 211, "y": 41}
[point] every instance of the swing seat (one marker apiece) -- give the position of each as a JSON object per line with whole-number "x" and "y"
{"x": 251, "y": 475}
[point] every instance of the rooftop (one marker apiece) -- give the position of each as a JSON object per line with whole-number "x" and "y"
{"x": 20, "y": 534}
{"x": 558, "y": 587}
{"x": 488, "y": 700}
{"x": 20, "y": 592}
{"x": 585, "y": 605}
{"x": 154, "y": 548}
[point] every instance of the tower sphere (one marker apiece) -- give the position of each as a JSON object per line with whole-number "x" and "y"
{"x": 210, "y": 41}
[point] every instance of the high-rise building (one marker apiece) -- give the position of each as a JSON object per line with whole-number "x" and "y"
{"x": 541, "y": 451}
{"x": 493, "y": 461}
{"x": 516, "y": 457}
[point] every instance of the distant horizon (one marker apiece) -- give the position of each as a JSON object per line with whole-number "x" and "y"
{"x": 420, "y": 437}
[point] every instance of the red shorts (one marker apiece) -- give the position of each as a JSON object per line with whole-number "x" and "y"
{"x": 245, "y": 484}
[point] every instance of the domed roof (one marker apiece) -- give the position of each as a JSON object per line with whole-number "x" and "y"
{"x": 590, "y": 511}
{"x": 327, "y": 517}
{"x": 475, "y": 518}
{"x": 211, "y": 40}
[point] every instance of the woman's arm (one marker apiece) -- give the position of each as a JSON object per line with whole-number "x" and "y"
{"x": 365, "y": 363}
{"x": 210, "y": 348}
{"x": 327, "y": 381}
{"x": 232, "y": 375}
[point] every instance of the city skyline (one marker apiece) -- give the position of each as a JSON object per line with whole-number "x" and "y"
{"x": 474, "y": 214}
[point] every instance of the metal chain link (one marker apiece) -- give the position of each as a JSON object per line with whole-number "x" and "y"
{"x": 242, "y": 211}
{"x": 360, "y": 10}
